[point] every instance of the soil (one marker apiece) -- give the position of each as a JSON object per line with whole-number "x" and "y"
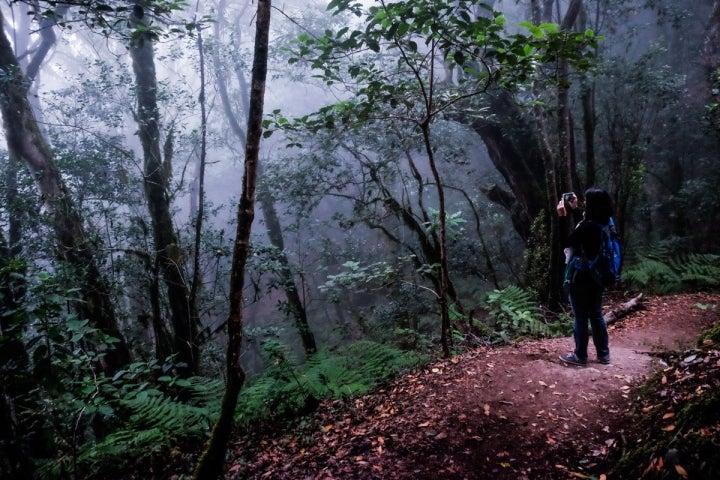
{"x": 500, "y": 412}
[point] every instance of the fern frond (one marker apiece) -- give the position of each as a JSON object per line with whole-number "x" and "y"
{"x": 514, "y": 312}
{"x": 361, "y": 367}
{"x": 156, "y": 420}
{"x": 678, "y": 273}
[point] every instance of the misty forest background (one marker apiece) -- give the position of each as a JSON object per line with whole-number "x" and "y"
{"x": 410, "y": 164}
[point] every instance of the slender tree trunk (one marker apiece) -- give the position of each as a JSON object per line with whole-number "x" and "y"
{"x": 25, "y": 141}
{"x": 195, "y": 285}
{"x": 589, "y": 121}
{"x": 296, "y": 306}
{"x": 566, "y": 137}
{"x": 588, "y": 108}
{"x": 156, "y": 180}
{"x": 442, "y": 299}
{"x": 210, "y": 466}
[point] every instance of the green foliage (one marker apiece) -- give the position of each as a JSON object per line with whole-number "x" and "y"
{"x": 284, "y": 390}
{"x": 537, "y": 256}
{"x": 514, "y": 312}
{"x": 89, "y": 419}
{"x": 356, "y": 275}
{"x": 417, "y": 34}
{"x": 158, "y": 414}
{"x": 142, "y": 413}
{"x": 156, "y": 420}
{"x": 712, "y": 334}
{"x": 453, "y": 223}
{"x": 105, "y": 16}
{"x": 681, "y": 272}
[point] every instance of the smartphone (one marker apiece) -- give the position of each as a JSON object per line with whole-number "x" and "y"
{"x": 568, "y": 197}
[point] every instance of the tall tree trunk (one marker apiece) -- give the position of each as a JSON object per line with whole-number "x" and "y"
{"x": 210, "y": 466}
{"x": 711, "y": 62}
{"x": 514, "y": 149}
{"x": 200, "y": 213}
{"x": 25, "y": 141}
{"x": 156, "y": 180}
{"x": 296, "y": 306}
{"x": 566, "y": 178}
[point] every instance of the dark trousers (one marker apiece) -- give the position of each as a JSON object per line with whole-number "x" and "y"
{"x": 586, "y": 302}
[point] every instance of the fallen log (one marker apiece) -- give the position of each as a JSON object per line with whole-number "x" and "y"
{"x": 623, "y": 309}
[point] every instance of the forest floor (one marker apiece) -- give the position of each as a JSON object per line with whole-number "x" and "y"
{"x": 500, "y": 412}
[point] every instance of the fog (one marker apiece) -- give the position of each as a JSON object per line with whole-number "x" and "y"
{"x": 330, "y": 211}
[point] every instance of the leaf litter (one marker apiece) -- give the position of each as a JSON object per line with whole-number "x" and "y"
{"x": 513, "y": 412}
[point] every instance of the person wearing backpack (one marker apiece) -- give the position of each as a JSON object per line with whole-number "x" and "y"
{"x": 583, "y": 248}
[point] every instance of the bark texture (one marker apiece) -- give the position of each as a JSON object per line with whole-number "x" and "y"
{"x": 26, "y": 142}
{"x": 212, "y": 461}
{"x": 169, "y": 255}
{"x": 266, "y": 200}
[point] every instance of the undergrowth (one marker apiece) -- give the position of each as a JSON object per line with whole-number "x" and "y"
{"x": 660, "y": 273}
{"x": 160, "y": 414}
{"x": 514, "y": 313}
{"x": 284, "y": 391}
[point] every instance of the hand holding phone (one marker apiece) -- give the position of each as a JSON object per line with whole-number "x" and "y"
{"x": 567, "y": 200}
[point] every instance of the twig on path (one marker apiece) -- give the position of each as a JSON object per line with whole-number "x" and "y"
{"x": 619, "y": 311}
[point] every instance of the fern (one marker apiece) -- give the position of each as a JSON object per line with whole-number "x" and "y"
{"x": 156, "y": 420}
{"x": 678, "y": 273}
{"x": 514, "y": 312}
{"x": 285, "y": 391}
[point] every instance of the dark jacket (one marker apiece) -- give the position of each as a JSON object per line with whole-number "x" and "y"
{"x": 585, "y": 241}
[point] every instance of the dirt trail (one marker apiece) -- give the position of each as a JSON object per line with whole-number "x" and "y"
{"x": 509, "y": 412}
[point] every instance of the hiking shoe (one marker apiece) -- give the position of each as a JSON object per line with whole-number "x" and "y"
{"x": 605, "y": 360}
{"x": 572, "y": 359}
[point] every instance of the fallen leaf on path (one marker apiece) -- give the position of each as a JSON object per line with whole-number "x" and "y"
{"x": 578, "y": 475}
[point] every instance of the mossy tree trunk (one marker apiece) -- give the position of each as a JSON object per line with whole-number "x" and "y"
{"x": 26, "y": 142}
{"x": 156, "y": 181}
{"x": 212, "y": 461}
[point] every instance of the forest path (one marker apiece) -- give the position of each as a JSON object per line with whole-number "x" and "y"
{"x": 509, "y": 412}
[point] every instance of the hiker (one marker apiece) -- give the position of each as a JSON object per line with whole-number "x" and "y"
{"x": 584, "y": 291}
